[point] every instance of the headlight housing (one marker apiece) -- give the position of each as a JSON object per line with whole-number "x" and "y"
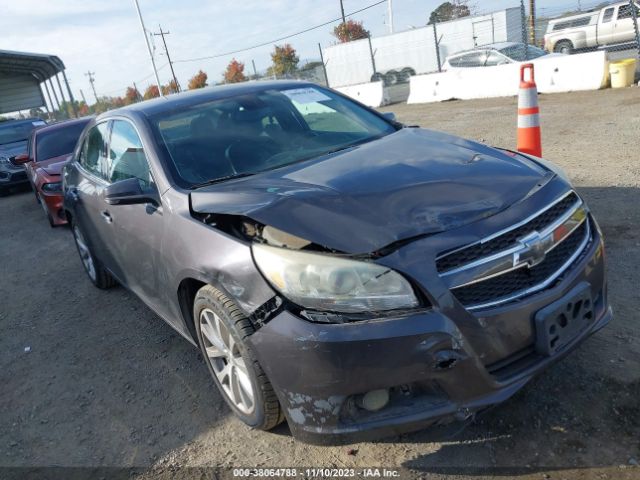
{"x": 329, "y": 283}
{"x": 53, "y": 187}
{"x": 4, "y": 160}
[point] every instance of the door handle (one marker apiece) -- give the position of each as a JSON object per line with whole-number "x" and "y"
{"x": 106, "y": 216}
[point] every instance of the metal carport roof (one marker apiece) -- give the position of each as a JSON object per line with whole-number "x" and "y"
{"x": 21, "y": 74}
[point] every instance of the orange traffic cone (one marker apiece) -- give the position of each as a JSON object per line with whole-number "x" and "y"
{"x": 529, "y": 138}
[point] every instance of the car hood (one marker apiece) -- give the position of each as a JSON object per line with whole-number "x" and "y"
{"x": 12, "y": 149}
{"x": 410, "y": 183}
{"x": 53, "y": 166}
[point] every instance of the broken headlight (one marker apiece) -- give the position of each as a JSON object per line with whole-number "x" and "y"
{"x": 329, "y": 283}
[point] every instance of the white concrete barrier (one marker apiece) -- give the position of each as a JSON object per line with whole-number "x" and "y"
{"x": 371, "y": 94}
{"x": 566, "y": 73}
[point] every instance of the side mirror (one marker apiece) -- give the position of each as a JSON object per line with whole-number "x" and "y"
{"x": 130, "y": 192}
{"x": 21, "y": 159}
{"x": 389, "y": 116}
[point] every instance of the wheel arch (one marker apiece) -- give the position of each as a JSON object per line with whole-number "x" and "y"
{"x": 187, "y": 290}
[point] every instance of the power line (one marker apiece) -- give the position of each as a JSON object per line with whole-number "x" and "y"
{"x": 140, "y": 80}
{"x": 164, "y": 42}
{"x": 270, "y": 42}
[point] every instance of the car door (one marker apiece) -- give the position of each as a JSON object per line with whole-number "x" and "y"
{"x": 624, "y": 30}
{"x": 87, "y": 193}
{"x": 136, "y": 230}
{"x": 606, "y": 27}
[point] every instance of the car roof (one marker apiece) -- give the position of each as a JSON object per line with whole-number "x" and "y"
{"x": 64, "y": 123}
{"x": 195, "y": 97}
{"x": 490, "y": 46}
{"x": 14, "y": 121}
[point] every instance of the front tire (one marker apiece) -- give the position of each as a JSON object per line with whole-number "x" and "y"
{"x": 98, "y": 275}
{"x": 222, "y": 330}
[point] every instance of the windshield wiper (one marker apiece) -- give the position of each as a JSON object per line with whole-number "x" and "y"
{"x": 221, "y": 179}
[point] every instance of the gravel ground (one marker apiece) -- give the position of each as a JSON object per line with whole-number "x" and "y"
{"x": 93, "y": 378}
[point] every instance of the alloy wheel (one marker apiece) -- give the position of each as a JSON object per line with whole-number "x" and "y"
{"x": 85, "y": 253}
{"x": 227, "y": 362}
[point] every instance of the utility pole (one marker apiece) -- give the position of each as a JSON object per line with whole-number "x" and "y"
{"x": 138, "y": 94}
{"x": 344, "y": 20}
{"x": 164, "y": 42}
{"x": 437, "y": 43}
{"x": 82, "y": 95}
{"x": 146, "y": 39}
{"x": 255, "y": 72}
{"x": 390, "y": 15}
{"x": 324, "y": 65}
{"x": 532, "y": 21}
{"x": 90, "y": 74}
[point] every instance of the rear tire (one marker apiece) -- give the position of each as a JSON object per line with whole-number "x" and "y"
{"x": 564, "y": 47}
{"x": 222, "y": 330}
{"x": 98, "y": 275}
{"x": 391, "y": 78}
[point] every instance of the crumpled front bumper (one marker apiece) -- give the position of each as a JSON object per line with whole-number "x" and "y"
{"x": 320, "y": 371}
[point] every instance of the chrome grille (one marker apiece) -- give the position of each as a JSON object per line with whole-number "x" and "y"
{"x": 522, "y": 279}
{"x": 466, "y": 255}
{"x": 521, "y": 260}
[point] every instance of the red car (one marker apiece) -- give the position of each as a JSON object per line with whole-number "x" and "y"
{"x": 48, "y": 150}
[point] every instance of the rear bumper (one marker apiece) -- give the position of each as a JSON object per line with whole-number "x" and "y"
{"x": 433, "y": 372}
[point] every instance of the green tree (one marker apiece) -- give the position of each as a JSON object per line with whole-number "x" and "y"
{"x": 284, "y": 61}
{"x": 349, "y": 31}
{"x": 450, "y": 11}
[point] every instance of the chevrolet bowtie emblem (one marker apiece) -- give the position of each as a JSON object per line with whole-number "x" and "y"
{"x": 534, "y": 251}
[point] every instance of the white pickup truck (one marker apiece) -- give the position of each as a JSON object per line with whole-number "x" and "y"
{"x": 611, "y": 25}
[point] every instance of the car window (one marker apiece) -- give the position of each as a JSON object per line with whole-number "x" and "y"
{"x": 12, "y": 131}
{"x": 258, "y": 131}
{"x": 58, "y": 142}
{"x": 322, "y": 118}
{"x": 494, "y": 58}
{"x": 126, "y": 155}
{"x": 473, "y": 59}
{"x": 608, "y": 15}
{"x": 93, "y": 156}
{"x": 521, "y": 52}
{"x": 624, "y": 11}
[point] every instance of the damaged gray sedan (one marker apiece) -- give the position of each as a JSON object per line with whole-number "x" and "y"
{"x": 337, "y": 269}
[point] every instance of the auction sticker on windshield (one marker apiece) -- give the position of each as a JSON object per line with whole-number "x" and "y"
{"x": 305, "y": 95}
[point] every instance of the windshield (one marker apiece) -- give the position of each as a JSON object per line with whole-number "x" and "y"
{"x": 58, "y": 142}
{"x": 522, "y": 52}
{"x": 260, "y": 131}
{"x": 11, "y": 132}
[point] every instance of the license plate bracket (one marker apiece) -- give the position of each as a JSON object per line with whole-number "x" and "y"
{"x": 560, "y": 322}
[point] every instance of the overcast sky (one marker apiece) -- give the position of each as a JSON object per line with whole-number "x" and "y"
{"x": 104, "y": 36}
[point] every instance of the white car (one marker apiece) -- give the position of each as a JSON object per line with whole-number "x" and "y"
{"x": 494, "y": 54}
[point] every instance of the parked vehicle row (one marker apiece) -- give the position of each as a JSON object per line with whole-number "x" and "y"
{"x": 336, "y": 268}
{"x": 48, "y": 149}
{"x": 610, "y": 25}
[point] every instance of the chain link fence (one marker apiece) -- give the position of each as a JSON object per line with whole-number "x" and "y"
{"x": 590, "y": 26}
